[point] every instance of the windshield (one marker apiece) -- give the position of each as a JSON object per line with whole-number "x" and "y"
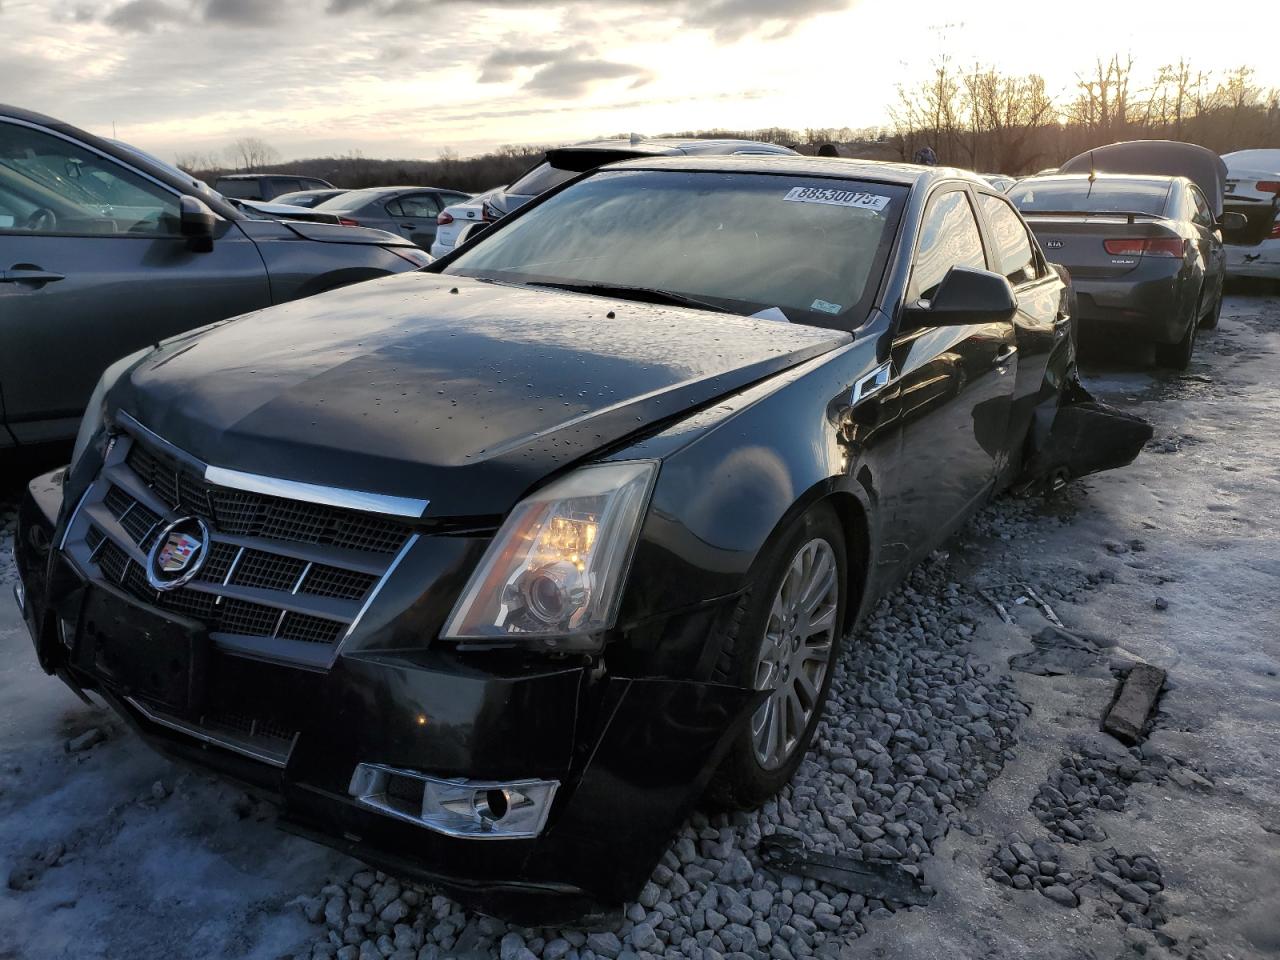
{"x": 811, "y": 246}
{"x": 1084, "y": 196}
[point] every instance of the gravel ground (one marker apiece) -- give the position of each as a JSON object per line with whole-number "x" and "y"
{"x": 961, "y": 746}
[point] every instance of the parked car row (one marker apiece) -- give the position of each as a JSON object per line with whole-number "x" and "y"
{"x": 1139, "y": 226}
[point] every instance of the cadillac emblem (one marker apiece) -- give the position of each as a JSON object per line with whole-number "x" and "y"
{"x": 178, "y": 553}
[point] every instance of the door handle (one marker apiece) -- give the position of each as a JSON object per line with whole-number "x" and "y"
{"x": 407, "y": 226}
{"x": 28, "y": 275}
{"x": 1005, "y": 353}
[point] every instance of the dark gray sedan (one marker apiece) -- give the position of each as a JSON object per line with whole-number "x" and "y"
{"x": 1144, "y": 252}
{"x": 103, "y": 251}
{"x": 408, "y": 211}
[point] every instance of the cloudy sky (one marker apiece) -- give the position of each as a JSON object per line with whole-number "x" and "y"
{"x": 408, "y": 78}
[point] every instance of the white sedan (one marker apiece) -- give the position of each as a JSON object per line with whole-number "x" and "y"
{"x": 455, "y": 218}
{"x": 1253, "y": 189}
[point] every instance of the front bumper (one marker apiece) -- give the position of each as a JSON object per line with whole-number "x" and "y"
{"x": 1259, "y": 260}
{"x": 632, "y": 756}
{"x": 1141, "y": 306}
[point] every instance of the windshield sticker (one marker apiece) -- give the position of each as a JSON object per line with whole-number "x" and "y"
{"x": 826, "y": 307}
{"x": 839, "y": 198}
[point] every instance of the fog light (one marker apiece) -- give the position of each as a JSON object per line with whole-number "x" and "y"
{"x": 476, "y": 809}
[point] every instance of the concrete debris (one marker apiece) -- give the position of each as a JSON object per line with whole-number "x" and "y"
{"x": 1127, "y": 717}
{"x": 85, "y": 741}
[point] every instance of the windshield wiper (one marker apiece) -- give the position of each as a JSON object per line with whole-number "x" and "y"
{"x": 644, "y": 294}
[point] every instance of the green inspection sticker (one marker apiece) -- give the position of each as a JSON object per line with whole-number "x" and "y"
{"x": 825, "y": 307}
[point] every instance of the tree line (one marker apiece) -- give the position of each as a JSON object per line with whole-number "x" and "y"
{"x": 974, "y": 117}
{"x": 979, "y": 118}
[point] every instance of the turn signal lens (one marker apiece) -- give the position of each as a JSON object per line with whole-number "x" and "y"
{"x": 1268, "y": 186}
{"x": 553, "y": 575}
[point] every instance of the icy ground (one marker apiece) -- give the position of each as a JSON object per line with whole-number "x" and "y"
{"x": 1042, "y": 836}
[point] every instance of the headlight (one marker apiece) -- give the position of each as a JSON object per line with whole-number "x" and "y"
{"x": 91, "y": 422}
{"x": 554, "y": 572}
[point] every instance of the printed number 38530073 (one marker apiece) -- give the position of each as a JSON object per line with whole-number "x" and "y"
{"x": 839, "y": 198}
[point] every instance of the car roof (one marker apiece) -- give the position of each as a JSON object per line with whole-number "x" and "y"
{"x": 906, "y": 174}
{"x": 269, "y": 176}
{"x": 402, "y": 189}
{"x": 1102, "y": 178}
{"x": 660, "y": 146}
{"x": 1268, "y": 160}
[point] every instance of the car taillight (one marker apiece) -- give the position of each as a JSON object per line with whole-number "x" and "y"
{"x": 444, "y": 219}
{"x": 348, "y": 222}
{"x": 488, "y": 214}
{"x": 1268, "y": 186}
{"x": 1151, "y": 247}
{"x": 1275, "y": 230}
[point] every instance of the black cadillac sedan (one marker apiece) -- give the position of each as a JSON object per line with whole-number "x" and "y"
{"x": 490, "y": 572}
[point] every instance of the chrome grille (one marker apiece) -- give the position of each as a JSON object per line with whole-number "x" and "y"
{"x": 239, "y": 513}
{"x": 326, "y": 581}
{"x": 283, "y": 577}
{"x": 268, "y": 571}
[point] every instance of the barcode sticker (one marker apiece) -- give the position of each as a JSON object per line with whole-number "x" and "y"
{"x": 838, "y": 198}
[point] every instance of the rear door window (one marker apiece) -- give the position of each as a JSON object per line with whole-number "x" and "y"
{"x": 949, "y": 237}
{"x": 417, "y": 206}
{"x": 1013, "y": 255}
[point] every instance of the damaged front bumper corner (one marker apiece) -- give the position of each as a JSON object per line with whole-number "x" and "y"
{"x": 405, "y": 759}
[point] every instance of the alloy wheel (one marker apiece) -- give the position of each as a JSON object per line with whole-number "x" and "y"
{"x": 795, "y": 652}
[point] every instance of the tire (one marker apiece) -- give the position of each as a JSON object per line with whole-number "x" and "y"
{"x": 763, "y": 648}
{"x": 1177, "y": 356}
{"x": 1210, "y": 319}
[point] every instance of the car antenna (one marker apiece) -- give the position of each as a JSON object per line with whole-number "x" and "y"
{"x": 1093, "y": 170}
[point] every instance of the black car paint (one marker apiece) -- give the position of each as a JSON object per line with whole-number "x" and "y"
{"x": 746, "y": 440}
{"x": 115, "y": 295}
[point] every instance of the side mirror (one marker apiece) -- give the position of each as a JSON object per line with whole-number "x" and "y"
{"x": 965, "y": 296}
{"x": 1230, "y": 222}
{"x": 197, "y": 223}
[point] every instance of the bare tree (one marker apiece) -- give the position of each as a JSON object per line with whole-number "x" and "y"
{"x": 250, "y": 153}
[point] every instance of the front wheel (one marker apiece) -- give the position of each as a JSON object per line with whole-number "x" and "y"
{"x": 784, "y": 641}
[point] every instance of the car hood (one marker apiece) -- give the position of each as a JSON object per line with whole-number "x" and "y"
{"x": 461, "y": 392}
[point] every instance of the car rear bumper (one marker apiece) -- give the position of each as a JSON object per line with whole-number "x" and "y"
{"x": 1142, "y": 305}
{"x": 1258, "y": 260}
{"x": 630, "y": 756}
